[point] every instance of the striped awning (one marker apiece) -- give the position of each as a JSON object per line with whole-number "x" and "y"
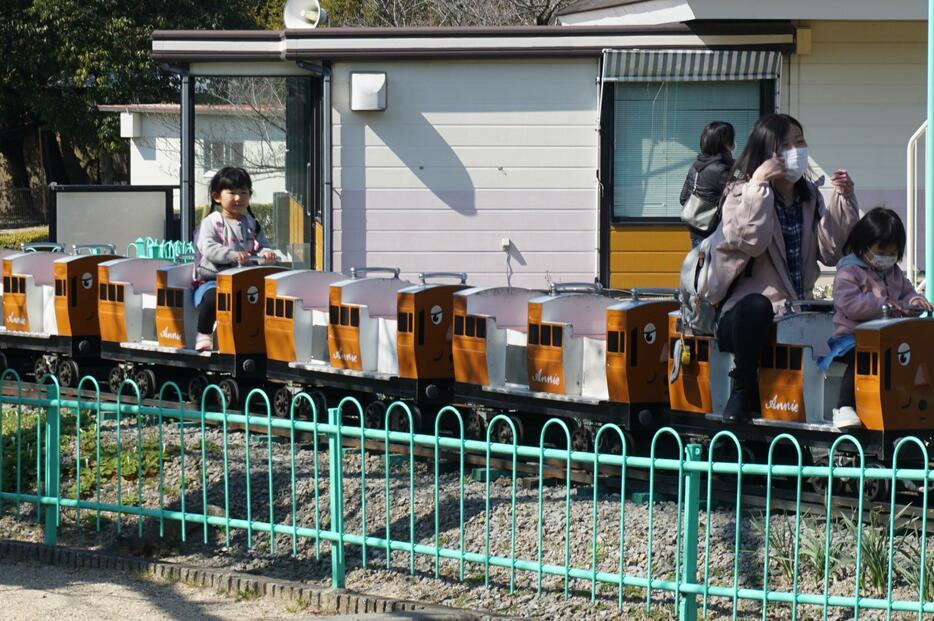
{"x": 690, "y": 65}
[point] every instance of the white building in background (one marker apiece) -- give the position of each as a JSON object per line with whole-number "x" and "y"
{"x": 226, "y": 135}
{"x": 558, "y": 153}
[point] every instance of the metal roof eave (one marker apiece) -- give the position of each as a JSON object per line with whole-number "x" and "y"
{"x": 423, "y": 43}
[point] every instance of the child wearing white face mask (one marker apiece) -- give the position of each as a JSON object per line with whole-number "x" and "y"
{"x": 867, "y": 279}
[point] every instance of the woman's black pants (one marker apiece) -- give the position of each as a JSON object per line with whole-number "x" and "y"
{"x": 744, "y": 332}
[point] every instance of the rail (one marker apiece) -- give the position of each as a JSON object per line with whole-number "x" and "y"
{"x": 797, "y": 562}
{"x": 911, "y": 197}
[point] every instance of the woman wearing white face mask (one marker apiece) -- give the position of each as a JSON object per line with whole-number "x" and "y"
{"x": 774, "y": 229}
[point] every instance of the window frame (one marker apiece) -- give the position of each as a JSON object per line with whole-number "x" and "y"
{"x": 767, "y": 105}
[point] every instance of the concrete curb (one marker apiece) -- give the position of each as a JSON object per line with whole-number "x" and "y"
{"x": 331, "y": 601}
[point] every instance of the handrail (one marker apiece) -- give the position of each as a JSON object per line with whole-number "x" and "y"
{"x": 911, "y": 202}
{"x": 363, "y": 271}
{"x": 575, "y": 287}
{"x": 653, "y": 292}
{"x": 41, "y": 246}
{"x": 424, "y": 276}
{"x": 90, "y": 248}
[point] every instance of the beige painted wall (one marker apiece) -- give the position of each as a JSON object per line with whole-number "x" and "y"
{"x": 466, "y": 153}
{"x": 860, "y": 95}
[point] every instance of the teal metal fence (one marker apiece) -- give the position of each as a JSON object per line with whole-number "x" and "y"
{"x": 673, "y": 527}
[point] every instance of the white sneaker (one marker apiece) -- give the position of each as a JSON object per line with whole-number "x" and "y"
{"x": 204, "y": 342}
{"x": 845, "y": 417}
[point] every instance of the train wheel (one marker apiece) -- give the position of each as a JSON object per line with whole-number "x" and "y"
{"x": 375, "y": 415}
{"x": 115, "y": 378}
{"x": 611, "y": 443}
{"x": 41, "y": 368}
{"x": 398, "y": 421}
{"x": 321, "y": 406}
{"x": 68, "y": 373}
{"x": 302, "y": 407}
{"x": 231, "y": 391}
{"x": 474, "y": 426}
{"x": 146, "y": 381}
{"x": 196, "y": 388}
{"x": 875, "y": 490}
{"x": 502, "y": 433}
{"x": 53, "y": 364}
{"x": 282, "y": 402}
{"x": 581, "y": 439}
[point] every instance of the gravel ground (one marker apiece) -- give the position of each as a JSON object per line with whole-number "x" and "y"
{"x": 255, "y": 556}
{"x": 31, "y": 591}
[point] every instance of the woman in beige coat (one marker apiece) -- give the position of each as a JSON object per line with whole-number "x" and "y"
{"x": 774, "y": 230}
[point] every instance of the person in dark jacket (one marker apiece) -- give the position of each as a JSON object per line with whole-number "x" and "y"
{"x": 709, "y": 175}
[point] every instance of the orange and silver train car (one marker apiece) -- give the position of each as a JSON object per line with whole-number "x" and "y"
{"x": 50, "y": 313}
{"x": 149, "y": 304}
{"x": 378, "y": 338}
{"x": 575, "y": 364}
{"x": 893, "y": 390}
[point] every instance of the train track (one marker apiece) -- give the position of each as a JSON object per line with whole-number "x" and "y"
{"x": 554, "y": 472}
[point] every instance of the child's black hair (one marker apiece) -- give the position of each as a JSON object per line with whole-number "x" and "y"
{"x": 716, "y": 137}
{"x": 880, "y": 226}
{"x": 231, "y": 178}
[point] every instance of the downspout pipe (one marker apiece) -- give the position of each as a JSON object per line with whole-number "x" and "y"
{"x": 324, "y": 70}
{"x": 929, "y": 166}
{"x": 187, "y": 148}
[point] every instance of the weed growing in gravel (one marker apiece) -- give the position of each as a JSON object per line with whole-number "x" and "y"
{"x": 298, "y": 605}
{"x": 248, "y": 595}
{"x": 814, "y": 554}
{"x": 633, "y": 592}
{"x": 875, "y": 546}
{"x": 781, "y": 542}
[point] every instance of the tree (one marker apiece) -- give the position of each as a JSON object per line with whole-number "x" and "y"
{"x": 59, "y": 59}
{"x": 403, "y": 13}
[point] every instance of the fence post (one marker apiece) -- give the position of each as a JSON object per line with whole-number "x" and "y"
{"x": 52, "y": 462}
{"x": 335, "y": 469}
{"x": 692, "y": 453}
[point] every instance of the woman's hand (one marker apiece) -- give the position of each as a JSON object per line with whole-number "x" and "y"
{"x": 921, "y": 302}
{"x": 770, "y": 170}
{"x": 243, "y": 257}
{"x": 841, "y": 181}
{"x": 268, "y": 256}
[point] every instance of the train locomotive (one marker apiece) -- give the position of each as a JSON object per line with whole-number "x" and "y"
{"x": 575, "y": 351}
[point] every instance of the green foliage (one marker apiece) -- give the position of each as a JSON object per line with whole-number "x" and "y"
{"x": 875, "y": 546}
{"x": 60, "y": 59}
{"x": 781, "y": 542}
{"x": 24, "y": 236}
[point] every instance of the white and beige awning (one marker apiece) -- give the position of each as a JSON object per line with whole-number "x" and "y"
{"x": 690, "y": 65}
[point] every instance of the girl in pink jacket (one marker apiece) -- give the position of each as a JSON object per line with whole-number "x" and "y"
{"x": 867, "y": 279}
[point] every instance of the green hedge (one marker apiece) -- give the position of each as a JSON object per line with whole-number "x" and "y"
{"x": 13, "y": 239}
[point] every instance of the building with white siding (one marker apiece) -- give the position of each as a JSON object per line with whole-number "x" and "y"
{"x": 528, "y": 155}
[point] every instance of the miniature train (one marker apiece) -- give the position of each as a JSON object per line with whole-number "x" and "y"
{"x": 575, "y": 352}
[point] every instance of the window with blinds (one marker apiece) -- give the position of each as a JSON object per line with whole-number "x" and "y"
{"x": 657, "y": 138}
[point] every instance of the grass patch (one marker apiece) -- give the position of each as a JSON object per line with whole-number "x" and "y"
{"x": 298, "y": 605}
